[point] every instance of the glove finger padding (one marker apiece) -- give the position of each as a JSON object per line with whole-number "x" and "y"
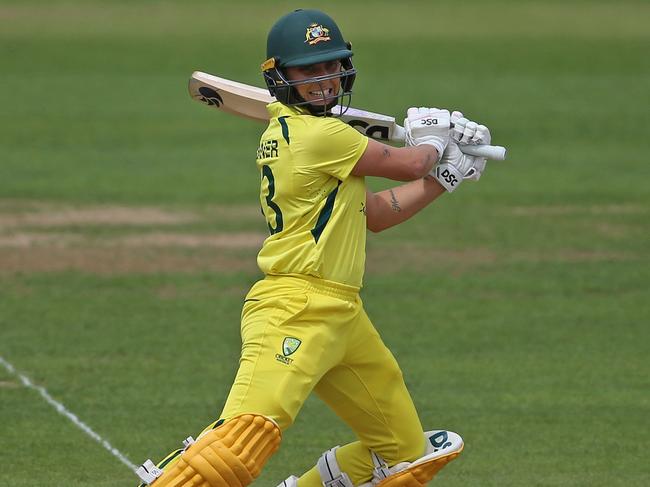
{"x": 467, "y": 132}
{"x": 415, "y": 112}
{"x": 456, "y": 115}
{"x": 458, "y": 130}
{"x": 482, "y": 135}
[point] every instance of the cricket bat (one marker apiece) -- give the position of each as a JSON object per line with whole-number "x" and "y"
{"x": 250, "y": 102}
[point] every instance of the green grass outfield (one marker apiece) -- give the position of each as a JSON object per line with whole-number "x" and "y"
{"x": 518, "y": 307}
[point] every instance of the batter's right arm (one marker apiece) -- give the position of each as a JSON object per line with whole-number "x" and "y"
{"x": 427, "y": 136}
{"x": 396, "y": 163}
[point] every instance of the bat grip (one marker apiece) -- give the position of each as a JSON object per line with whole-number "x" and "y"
{"x": 493, "y": 152}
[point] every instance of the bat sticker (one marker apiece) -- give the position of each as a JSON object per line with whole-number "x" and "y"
{"x": 210, "y": 96}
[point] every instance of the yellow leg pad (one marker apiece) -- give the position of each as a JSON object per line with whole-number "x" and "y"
{"x": 232, "y": 455}
{"x": 419, "y": 474}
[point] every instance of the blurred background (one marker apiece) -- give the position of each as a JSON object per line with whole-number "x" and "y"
{"x": 129, "y": 225}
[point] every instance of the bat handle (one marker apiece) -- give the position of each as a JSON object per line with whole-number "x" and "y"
{"x": 493, "y": 152}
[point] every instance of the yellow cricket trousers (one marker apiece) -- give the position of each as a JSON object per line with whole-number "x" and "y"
{"x": 301, "y": 334}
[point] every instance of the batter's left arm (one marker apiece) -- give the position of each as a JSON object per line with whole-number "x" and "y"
{"x": 396, "y": 205}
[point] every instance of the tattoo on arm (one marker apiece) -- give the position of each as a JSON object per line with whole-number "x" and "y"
{"x": 394, "y": 203}
{"x": 386, "y": 152}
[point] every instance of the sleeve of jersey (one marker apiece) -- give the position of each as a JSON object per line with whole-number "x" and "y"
{"x": 333, "y": 147}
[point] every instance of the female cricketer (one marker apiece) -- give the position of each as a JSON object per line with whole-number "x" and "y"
{"x": 303, "y": 325}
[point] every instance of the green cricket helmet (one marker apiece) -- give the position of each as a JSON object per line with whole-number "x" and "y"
{"x": 302, "y": 38}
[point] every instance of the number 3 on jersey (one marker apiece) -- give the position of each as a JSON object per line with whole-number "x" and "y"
{"x": 268, "y": 174}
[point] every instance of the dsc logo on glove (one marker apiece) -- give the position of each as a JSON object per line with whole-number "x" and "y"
{"x": 449, "y": 177}
{"x": 429, "y": 121}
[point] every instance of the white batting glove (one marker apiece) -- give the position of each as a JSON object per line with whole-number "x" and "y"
{"x": 454, "y": 167}
{"x": 465, "y": 131}
{"x": 427, "y": 126}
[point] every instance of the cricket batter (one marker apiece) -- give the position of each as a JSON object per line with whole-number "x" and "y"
{"x": 303, "y": 326}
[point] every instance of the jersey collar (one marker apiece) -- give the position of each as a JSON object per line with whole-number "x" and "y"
{"x": 277, "y": 109}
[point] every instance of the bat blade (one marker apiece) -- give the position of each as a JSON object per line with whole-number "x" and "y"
{"x": 230, "y": 96}
{"x": 374, "y": 125}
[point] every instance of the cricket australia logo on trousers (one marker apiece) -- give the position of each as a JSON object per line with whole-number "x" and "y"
{"x": 289, "y": 346}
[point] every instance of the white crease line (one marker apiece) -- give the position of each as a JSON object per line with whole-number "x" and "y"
{"x": 71, "y": 416}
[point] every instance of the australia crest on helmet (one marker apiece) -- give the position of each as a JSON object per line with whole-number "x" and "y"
{"x": 317, "y": 33}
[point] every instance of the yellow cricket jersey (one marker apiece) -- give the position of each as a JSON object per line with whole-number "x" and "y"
{"x": 314, "y": 208}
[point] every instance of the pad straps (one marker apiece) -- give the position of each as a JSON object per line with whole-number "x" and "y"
{"x": 149, "y": 471}
{"x": 381, "y": 470}
{"x": 330, "y": 472}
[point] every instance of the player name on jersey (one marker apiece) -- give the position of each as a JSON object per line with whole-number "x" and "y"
{"x": 267, "y": 149}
